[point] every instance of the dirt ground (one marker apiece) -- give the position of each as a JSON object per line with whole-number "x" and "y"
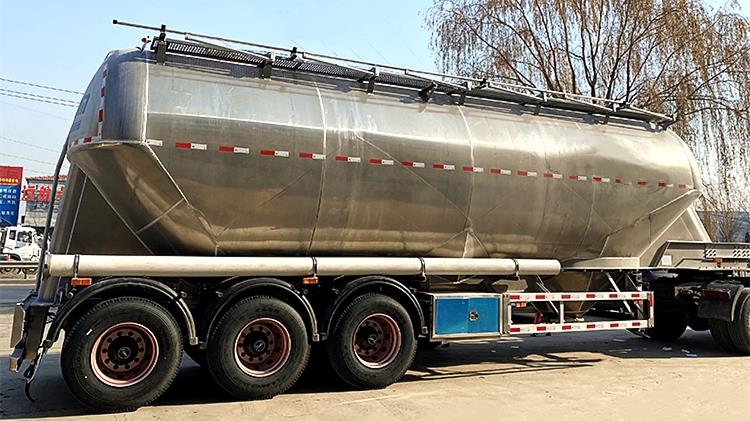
{"x": 600, "y": 375}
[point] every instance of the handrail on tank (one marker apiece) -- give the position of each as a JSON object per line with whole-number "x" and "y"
{"x": 526, "y": 94}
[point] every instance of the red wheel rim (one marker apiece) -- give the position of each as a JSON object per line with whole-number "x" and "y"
{"x": 262, "y": 347}
{"x": 124, "y": 354}
{"x": 377, "y": 340}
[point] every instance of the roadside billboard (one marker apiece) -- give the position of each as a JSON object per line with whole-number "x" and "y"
{"x": 10, "y": 194}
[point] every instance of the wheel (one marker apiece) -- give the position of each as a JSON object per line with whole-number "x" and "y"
{"x": 197, "y": 355}
{"x": 739, "y": 329}
{"x": 258, "y": 349}
{"x": 668, "y": 325}
{"x": 425, "y": 344}
{"x": 373, "y": 343}
{"x": 122, "y": 354}
{"x": 720, "y": 333}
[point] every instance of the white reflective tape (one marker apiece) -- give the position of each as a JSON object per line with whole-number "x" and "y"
{"x": 582, "y": 178}
{"x": 478, "y": 169}
{"x": 449, "y": 167}
{"x": 238, "y": 149}
{"x": 531, "y": 173}
{"x": 555, "y": 175}
{"x": 386, "y": 162}
{"x": 418, "y": 164}
{"x": 154, "y": 142}
{"x": 199, "y": 146}
{"x": 283, "y": 154}
{"x": 318, "y": 156}
{"x": 505, "y": 172}
{"x": 605, "y": 180}
{"x": 353, "y": 159}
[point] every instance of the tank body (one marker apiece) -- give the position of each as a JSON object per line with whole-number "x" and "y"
{"x": 204, "y": 158}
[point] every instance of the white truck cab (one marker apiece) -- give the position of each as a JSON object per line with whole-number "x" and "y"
{"x": 20, "y": 243}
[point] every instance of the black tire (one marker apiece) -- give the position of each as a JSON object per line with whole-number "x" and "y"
{"x": 349, "y": 365}
{"x": 668, "y": 325}
{"x": 739, "y": 329}
{"x": 87, "y": 380}
{"x": 720, "y": 333}
{"x": 284, "y": 364}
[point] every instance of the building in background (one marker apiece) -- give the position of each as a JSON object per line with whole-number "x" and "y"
{"x": 10, "y": 194}
{"x": 38, "y": 195}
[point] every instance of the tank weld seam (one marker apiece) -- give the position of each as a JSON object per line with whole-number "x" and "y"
{"x": 155, "y": 220}
{"x": 322, "y": 171}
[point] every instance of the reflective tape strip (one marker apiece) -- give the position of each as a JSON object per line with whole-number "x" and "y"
{"x": 662, "y": 183}
{"x": 642, "y": 183}
{"x": 154, "y": 142}
{"x": 413, "y": 164}
{"x": 580, "y": 326}
{"x": 469, "y": 168}
{"x": 553, "y": 175}
{"x": 188, "y": 145}
{"x": 618, "y": 180}
{"x": 525, "y": 173}
{"x": 578, "y": 177}
{"x": 234, "y": 149}
{"x": 447, "y": 167}
{"x": 273, "y": 152}
{"x": 310, "y": 155}
{"x": 345, "y": 158}
{"x": 577, "y": 296}
{"x": 378, "y": 161}
{"x": 683, "y": 186}
{"x": 501, "y": 171}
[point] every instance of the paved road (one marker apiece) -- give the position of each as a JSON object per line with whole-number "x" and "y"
{"x": 598, "y": 375}
{"x": 13, "y": 291}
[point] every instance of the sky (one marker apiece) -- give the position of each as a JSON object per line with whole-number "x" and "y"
{"x": 62, "y": 43}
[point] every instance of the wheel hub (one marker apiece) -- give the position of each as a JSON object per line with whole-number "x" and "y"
{"x": 377, "y": 341}
{"x": 124, "y": 354}
{"x": 262, "y": 347}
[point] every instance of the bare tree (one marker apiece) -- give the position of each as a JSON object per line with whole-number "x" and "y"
{"x": 677, "y": 57}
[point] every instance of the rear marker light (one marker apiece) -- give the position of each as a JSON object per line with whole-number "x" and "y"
{"x": 80, "y": 282}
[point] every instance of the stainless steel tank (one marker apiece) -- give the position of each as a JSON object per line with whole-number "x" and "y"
{"x": 198, "y": 157}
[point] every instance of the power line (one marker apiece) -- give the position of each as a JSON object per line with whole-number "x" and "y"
{"x": 51, "y": 98}
{"x": 27, "y": 144}
{"x": 52, "y": 88}
{"x": 27, "y": 159}
{"x": 65, "y": 104}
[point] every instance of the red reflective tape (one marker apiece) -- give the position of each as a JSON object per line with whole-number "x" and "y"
{"x": 573, "y": 177}
{"x": 515, "y": 329}
{"x": 376, "y": 161}
{"x": 407, "y": 163}
{"x": 596, "y": 179}
{"x": 226, "y": 148}
{"x": 548, "y": 175}
{"x": 267, "y": 152}
{"x": 540, "y": 296}
{"x": 515, "y": 297}
{"x": 522, "y": 173}
{"x": 636, "y": 295}
{"x": 101, "y": 115}
{"x": 86, "y": 140}
{"x": 565, "y": 296}
{"x": 307, "y": 155}
{"x": 102, "y": 91}
{"x": 662, "y": 183}
{"x": 591, "y": 326}
{"x": 541, "y": 328}
{"x": 636, "y": 323}
{"x": 613, "y": 295}
{"x": 614, "y": 325}
{"x": 468, "y": 168}
{"x": 438, "y": 166}
{"x": 682, "y": 186}
{"x": 567, "y": 327}
{"x": 618, "y": 180}
{"x": 642, "y": 183}
{"x": 342, "y": 158}
{"x": 590, "y": 295}
{"x": 182, "y": 145}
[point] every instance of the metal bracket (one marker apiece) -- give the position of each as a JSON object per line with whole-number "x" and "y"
{"x": 371, "y": 79}
{"x": 161, "y": 45}
{"x": 426, "y": 93}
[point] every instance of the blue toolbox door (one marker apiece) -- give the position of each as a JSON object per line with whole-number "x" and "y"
{"x": 451, "y": 315}
{"x": 483, "y": 315}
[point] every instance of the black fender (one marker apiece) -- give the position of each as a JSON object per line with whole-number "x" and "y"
{"x": 270, "y": 286}
{"x": 147, "y": 288}
{"x": 719, "y": 299}
{"x": 381, "y": 284}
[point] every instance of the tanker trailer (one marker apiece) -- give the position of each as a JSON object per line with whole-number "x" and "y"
{"x": 242, "y": 205}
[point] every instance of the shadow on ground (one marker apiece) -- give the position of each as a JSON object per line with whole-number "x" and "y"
{"x": 194, "y": 385}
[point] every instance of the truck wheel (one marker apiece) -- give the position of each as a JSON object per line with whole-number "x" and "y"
{"x": 720, "y": 333}
{"x": 668, "y": 325}
{"x": 258, "y": 349}
{"x": 122, "y": 354}
{"x": 373, "y": 343}
{"x": 739, "y": 329}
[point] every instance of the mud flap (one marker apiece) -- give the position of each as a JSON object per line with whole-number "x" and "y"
{"x": 718, "y": 300}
